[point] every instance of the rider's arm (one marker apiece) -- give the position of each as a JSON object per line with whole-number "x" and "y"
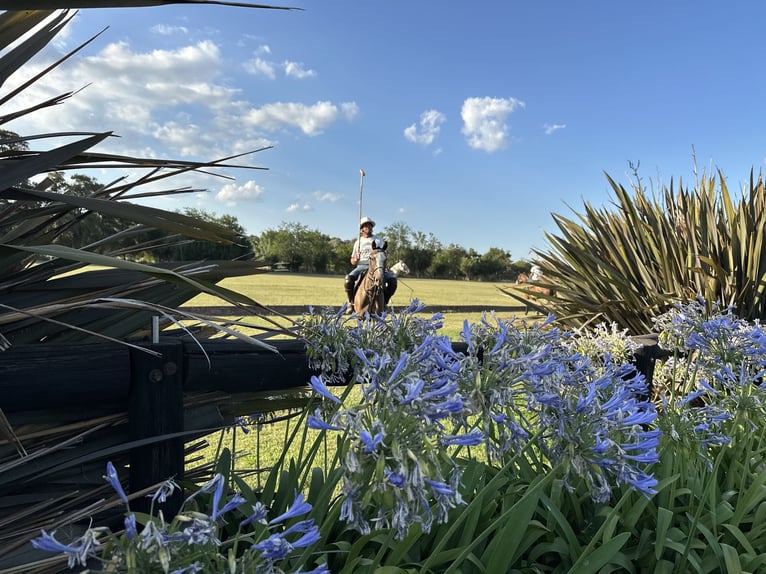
{"x": 355, "y": 253}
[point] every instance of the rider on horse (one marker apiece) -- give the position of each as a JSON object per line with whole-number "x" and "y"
{"x": 360, "y": 256}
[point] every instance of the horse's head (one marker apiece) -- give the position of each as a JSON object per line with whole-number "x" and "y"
{"x": 522, "y": 278}
{"x": 400, "y": 268}
{"x": 378, "y": 259}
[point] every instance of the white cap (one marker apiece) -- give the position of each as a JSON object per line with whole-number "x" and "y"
{"x": 364, "y": 220}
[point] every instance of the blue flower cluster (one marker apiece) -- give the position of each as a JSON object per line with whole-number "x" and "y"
{"x": 515, "y": 387}
{"x": 190, "y": 542}
{"x": 585, "y": 413}
{"x": 713, "y": 386}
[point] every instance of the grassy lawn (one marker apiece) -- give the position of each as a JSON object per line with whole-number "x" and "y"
{"x": 279, "y": 288}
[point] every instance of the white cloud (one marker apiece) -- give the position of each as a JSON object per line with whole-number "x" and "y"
{"x": 428, "y": 128}
{"x": 551, "y": 128}
{"x": 296, "y": 70}
{"x": 232, "y": 193}
{"x": 327, "y": 196}
{"x": 165, "y": 30}
{"x": 311, "y": 120}
{"x": 259, "y": 67}
{"x": 293, "y": 207}
{"x": 484, "y": 121}
{"x": 349, "y": 110}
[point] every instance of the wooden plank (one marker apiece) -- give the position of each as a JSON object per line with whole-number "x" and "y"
{"x": 51, "y": 376}
{"x": 236, "y": 366}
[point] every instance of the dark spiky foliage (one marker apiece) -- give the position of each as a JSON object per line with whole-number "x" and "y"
{"x": 48, "y": 295}
{"x": 628, "y": 263}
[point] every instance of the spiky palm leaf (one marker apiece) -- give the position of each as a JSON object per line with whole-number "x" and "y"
{"x": 627, "y": 265}
{"x": 44, "y": 458}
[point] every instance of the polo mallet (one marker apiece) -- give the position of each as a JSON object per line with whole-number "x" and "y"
{"x": 361, "y": 190}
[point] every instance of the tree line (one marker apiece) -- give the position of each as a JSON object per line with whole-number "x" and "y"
{"x": 290, "y": 246}
{"x": 297, "y": 248}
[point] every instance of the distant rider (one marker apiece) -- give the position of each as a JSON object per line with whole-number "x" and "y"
{"x": 360, "y": 256}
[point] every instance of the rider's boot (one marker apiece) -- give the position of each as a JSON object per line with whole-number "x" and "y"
{"x": 348, "y": 285}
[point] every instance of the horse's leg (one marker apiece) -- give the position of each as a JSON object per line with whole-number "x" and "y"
{"x": 360, "y": 300}
{"x": 379, "y": 301}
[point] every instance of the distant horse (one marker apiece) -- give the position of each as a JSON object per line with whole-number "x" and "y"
{"x": 370, "y": 292}
{"x": 531, "y": 287}
{"x": 400, "y": 268}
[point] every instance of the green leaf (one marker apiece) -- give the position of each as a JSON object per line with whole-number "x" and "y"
{"x": 605, "y": 554}
{"x": 731, "y": 559}
{"x": 664, "y": 520}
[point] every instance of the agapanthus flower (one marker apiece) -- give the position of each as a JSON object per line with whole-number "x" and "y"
{"x": 316, "y": 422}
{"x": 77, "y": 551}
{"x": 165, "y": 491}
{"x": 319, "y": 387}
{"x": 114, "y": 481}
{"x": 130, "y": 526}
{"x": 297, "y": 508}
{"x": 258, "y": 515}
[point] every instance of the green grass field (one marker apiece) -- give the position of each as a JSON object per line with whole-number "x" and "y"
{"x": 279, "y": 289}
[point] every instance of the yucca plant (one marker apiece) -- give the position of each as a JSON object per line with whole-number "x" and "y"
{"x": 42, "y": 302}
{"x": 629, "y": 263}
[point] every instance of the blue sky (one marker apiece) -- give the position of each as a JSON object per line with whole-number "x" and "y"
{"x": 473, "y": 121}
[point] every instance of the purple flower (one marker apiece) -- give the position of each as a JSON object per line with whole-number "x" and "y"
{"x": 320, "y": 388}
{"x": 371, "y": 442}
{"x": 273, "y": 548}
{"x": 298, "y": 508}
{"x": 440, "y": 487}
{"x": 316, "y": 422}
{"x": 77, "y": 552}
{"x": 309, "y": 530}
{"x": 217, "y": 494}
{"x": 258, "y": 515}
{"x": 114, "y": 480}
{"x": 130, "y": 526}
{"x": 236, "y": 501}
{"x": 165, "y": 490}
{"x": 473, "y": 438}
{"x": 395, "y": 478}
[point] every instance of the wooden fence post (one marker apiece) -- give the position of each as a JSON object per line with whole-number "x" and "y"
{"x": 155, "y": 408}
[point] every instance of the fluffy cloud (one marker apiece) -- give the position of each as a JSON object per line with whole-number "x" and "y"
{"x": 427, "y": 129}
{"x": 296, "y": 70}
{"x": 163, "y": 103}
{"x": 293, "y": 207}
{"x": 327, "y": 196}
{"x": 164, "y": 30}
{"x": 552, "y": 128}
{"x": 484, "y": 121}
{"x": 260, "y": 67}
{"x": 311, "y": 120}
{"x": 231, "y": 193}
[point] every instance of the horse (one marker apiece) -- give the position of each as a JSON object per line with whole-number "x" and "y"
{"x": 524, "y": 278}
{"x": 531, "y": 287}
{"x": 370, "y": 291}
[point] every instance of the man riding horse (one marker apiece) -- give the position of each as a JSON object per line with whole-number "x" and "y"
{"x": 360, "y": 256}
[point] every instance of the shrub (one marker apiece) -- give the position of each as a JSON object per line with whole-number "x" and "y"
{"x": 629, "y": 264}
